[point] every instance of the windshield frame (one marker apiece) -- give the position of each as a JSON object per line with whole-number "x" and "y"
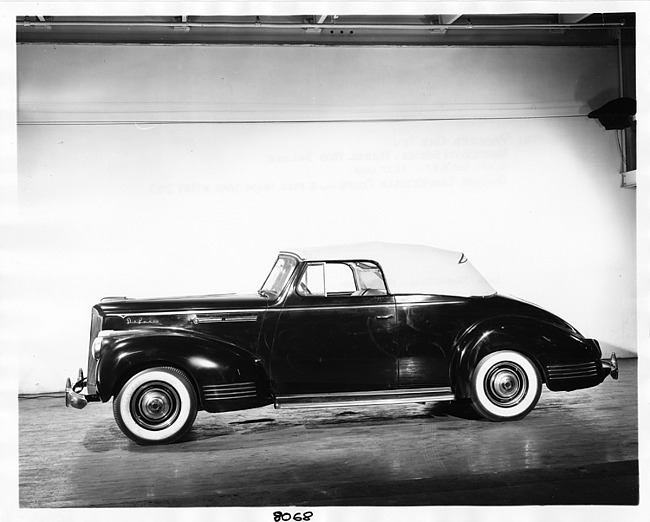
{"x": 279, "y": 276}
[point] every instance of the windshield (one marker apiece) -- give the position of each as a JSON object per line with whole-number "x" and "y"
{"x": 279, "y": 276}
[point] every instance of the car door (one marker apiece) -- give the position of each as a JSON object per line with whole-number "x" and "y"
{"x": 336, "y": 332}
{"x": 429, "y": 327}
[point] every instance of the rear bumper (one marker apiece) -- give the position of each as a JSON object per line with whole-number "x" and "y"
{"x": 73, "y": 397}
{"x": 610, "y": 366}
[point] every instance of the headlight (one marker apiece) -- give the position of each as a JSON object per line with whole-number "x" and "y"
{"x": 96, "y": 348}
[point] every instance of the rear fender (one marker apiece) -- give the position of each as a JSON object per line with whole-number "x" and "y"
{"x": 543, "y": 343}
{"x": 210, "y": 365}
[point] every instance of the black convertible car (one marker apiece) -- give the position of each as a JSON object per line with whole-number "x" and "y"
{"x": 337, "y": 326}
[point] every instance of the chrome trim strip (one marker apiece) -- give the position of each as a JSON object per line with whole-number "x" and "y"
{"x": 572, "y": 367}
{"x": 576, "y": 365}
{"x": 224, "y": 319}
{"x": 436, "y": 303}
{"x": 122, "y": 333}
{"x": 399, "y": 391}
{"x": 235, "y": 386}
{"x": 331, "y": 400}
{"x": 232, "y": 385}
{"x": 232, "y": 392}
{"x": 190, "y": 311}
{"x": 560, "y": 371}
{"x": 572, "y": 371}
{"x": 220, "y": 392}
{"x": 583, "y": 376}
{"x": 333, "y": 307}
{"x": 346, "y": 404}
{"x": 250, "y": 395}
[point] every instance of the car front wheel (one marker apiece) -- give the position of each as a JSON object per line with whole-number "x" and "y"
{"x": 505, "y": 386}
{"x": 156, "y": 406}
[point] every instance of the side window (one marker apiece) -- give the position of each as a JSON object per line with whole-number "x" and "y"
{"x": 357, "y": 278}
{"x": 313, "y": 280}
{"x": 327, "y": 279}
{"x": 339, "y": 279}
{"x": 370, "y": 278}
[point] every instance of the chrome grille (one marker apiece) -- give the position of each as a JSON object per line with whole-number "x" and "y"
{"x": 96, "y": 322}
{"x": 95, "y": 326}
{"x": 572, "y": 371}
{"x": 220, "y": 392}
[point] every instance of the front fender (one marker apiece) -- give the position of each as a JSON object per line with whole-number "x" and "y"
{"x": 224, "y": 375}
{"x": 544, "y": 343}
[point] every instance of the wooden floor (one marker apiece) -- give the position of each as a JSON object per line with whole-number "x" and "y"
{"x": 574, "y": 448}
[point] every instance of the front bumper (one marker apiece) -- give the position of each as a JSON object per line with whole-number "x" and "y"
{"x": 73, "y": 397}
{"x": 610, "y": 366}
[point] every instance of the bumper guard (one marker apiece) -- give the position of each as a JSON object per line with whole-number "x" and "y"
{"x": 611, "y": 366}
{"x": 73, "y": 397}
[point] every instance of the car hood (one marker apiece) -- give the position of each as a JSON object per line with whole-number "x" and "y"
{"x": 118, "y": 305}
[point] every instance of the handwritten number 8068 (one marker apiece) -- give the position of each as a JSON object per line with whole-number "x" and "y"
{"x": 279, "y": 515}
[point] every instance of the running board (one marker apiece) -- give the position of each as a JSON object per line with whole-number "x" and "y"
{"x": 366, "y": 398}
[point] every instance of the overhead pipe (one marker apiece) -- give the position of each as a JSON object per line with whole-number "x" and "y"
{"x": 315, "y": 26}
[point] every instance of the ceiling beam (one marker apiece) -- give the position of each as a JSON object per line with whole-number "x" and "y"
{"x": 449, "y": 19}
{"x": 321, "y": 29}
{"x": 566, "y": 18}
{"x": 303, "y": 26}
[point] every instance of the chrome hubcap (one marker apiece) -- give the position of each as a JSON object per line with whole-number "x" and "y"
{"x": 506, "y": 385}
{"x": 155, "y": 406}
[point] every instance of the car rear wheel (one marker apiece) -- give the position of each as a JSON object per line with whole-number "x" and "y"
{"x": 505, "y": 386}
{"x": 156, "y": 406}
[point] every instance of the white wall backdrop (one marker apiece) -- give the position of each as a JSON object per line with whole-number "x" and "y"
{"x": 159, "y": 170}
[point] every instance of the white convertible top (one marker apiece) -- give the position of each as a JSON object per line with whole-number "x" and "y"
{"x": 410, "y": 269}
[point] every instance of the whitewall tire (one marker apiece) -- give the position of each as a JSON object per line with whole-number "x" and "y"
{"x": 156, "y": 406}
{"x": 505, "y": 386}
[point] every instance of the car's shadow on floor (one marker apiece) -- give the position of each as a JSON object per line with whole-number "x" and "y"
{"x": 348, "y": 417}
{"x": 211, "y": 427}
{"x": 461, "y": 409}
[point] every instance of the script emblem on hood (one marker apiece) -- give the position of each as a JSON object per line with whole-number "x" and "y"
{"x": 141, "y": 320}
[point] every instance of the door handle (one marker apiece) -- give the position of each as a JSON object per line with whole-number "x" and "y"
{"x": 384, "y": 316}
